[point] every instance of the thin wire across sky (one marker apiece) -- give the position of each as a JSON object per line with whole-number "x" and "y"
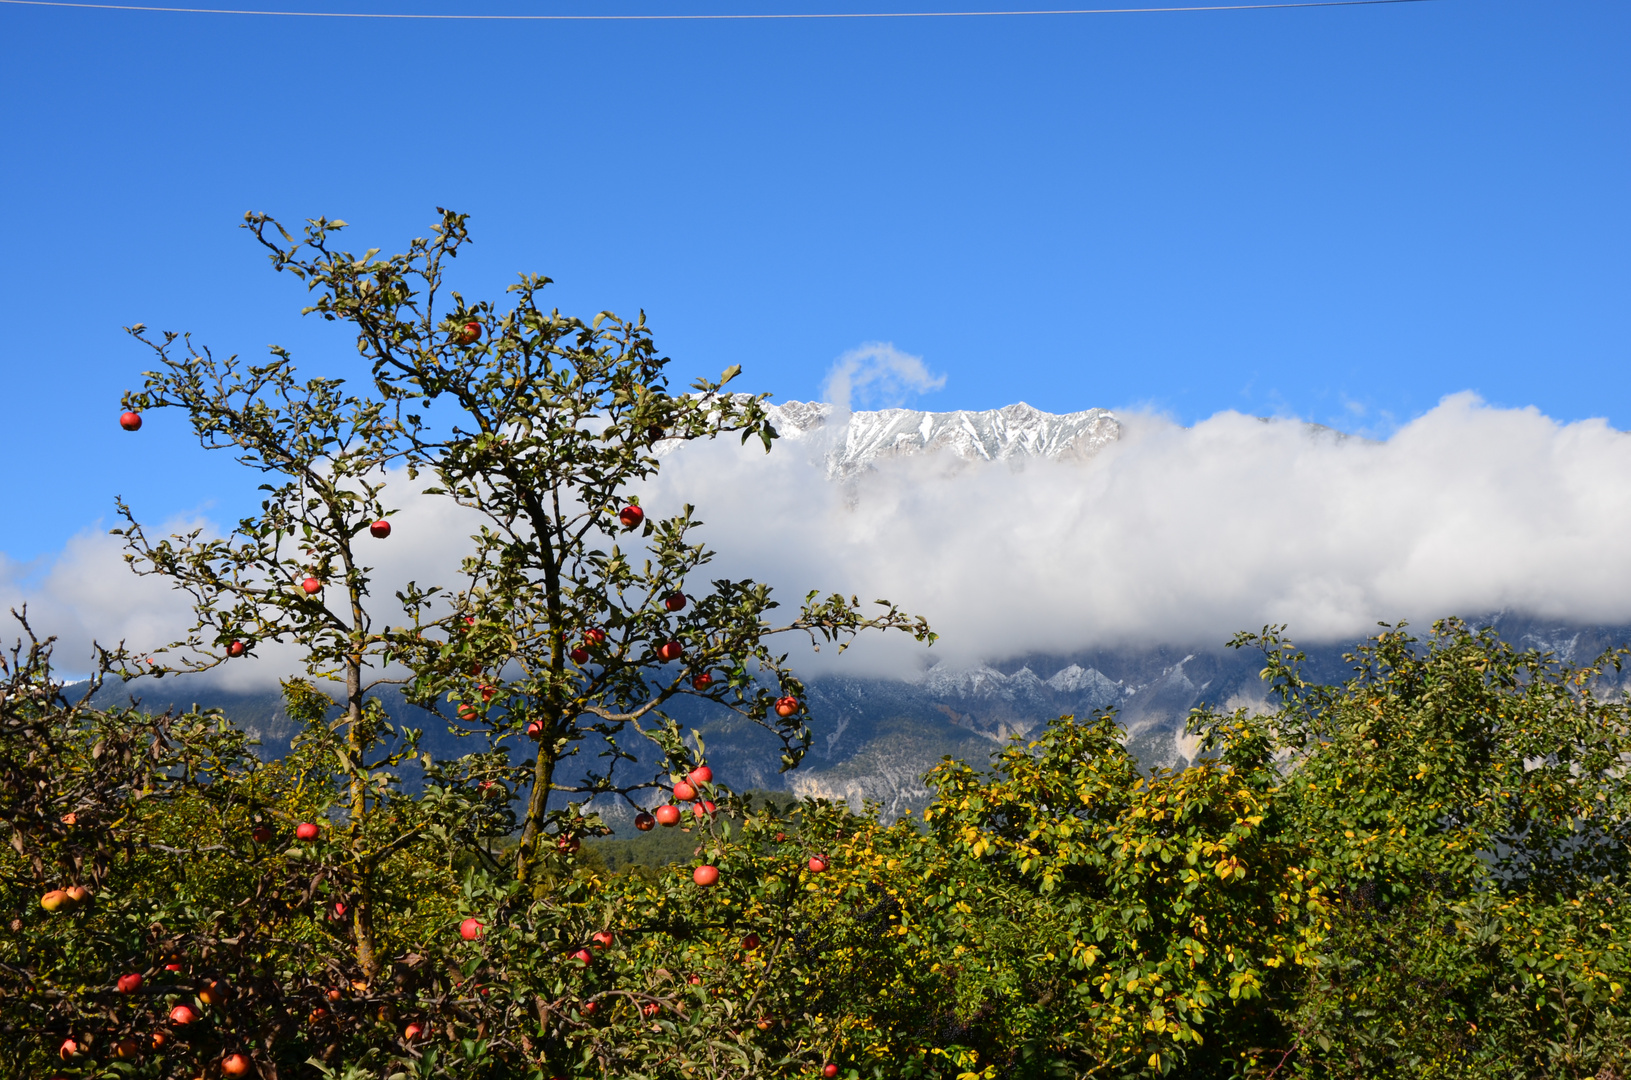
{"x": 708, "y": 17}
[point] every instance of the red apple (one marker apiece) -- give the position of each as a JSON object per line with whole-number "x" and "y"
{"x": 684, "y": 792}
{"x": 829, "y": 1070}
{"x": 580, "y": 655}
{"x": 235, "y": 1065}
{"x": 237, "y": 648}
{"x": 489, "y": 789}
{"x": 318, "y": 1015}
{"x": 703, "y": 807}
{"x": 261, "y": 834}
{"x": 584, "y": 957}
{"x": 670, "y": 651}
{"x": 129, "y": 984}
{"x": 787, "y": 706}
{"x": 668, "y": 815}
{"x": 602, "y": 939}
{"x": 781, "y": 838}
{"x": 55, "y": 899}
{"x": 590, "y": 1008}
{"x": 380, "y": 529}
{"x": 750, "y": 943}
{"x": 595, "y": 636}
{"x": 650, "y": 1009}
{"x": 70, "y": 1048}
{"x": 675, "y": 601}
{"x": 182, "y": 1014}
{"x": 471, "y": 928}
{"x": 77, "y": 895}
{"x": 644, "y": 821}
{"x": 693, "y": 979}
{"x": 487, "y": 691}
{"x": 125, "y": 1049}
{"x": 631, "y": 516}
{"x": 335, "y": 995}
{"x": 312, "y": 586}
{"x": 818, "y": 864}
{"x": 172, "y": 966}
{"x": 701, "y": 775}
{"x": 568, "y": 845}
{"x": 468, "y": 334}
{"x": 159, "y": 1039}
{"x": 339, "y": 910}
{"x": 535, "y": 730}
{"x": 467, "y": 711}
{"x": 702, "y": 681}
{"x": 214, "y": 993}
{"x": 705, "y": 875}
{"x": 412, "y": 1032}
{"x": 70, "y": 818}
{"x": 307, "y": 830}
{"x": 130, "y": 421}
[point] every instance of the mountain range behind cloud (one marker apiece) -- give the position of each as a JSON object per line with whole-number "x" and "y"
{"x": 1021, "y": 533}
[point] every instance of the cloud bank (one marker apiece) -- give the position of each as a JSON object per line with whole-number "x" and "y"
{"x": 1172, "y": 535}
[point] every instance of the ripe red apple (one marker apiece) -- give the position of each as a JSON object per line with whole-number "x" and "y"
{"x": 235, "y": 1065}
{"x": 670, "y": 651}
{"x": 77, "y": 895}
{"x": 781, "y": 838}
{"x": 705, "y": 875}
{"x": 584, "y": 957}
{"x": 487, "y": 691}
{"x": 644, "y": 821}
{"x": 412, "y": 1032}
{"x": 70, "y": 818}
{"x": 675, "y": 601}
{"x": 568, "y": 845}
{"x": 595, "y": 636}
{"x": 693, "y": 979}
{"x": 130, "y": 421}
{"x": 182, "y": 1014}
{"x": 307, "y": 830}
{"x": 129, "y": 984}
{"x": 213, "y": 993}
{"x": 339, "y": 910}
{"x": 580, "y": 655}
{"x": 590, "y": 1008}
{"x": 69, "y": 1049}
{"x": 702, "y": 681}
{"x": 701, "y": 775}
{"x": 489, "y": 789}
{"x": 237, "y": 648}
{"x": 818, "y": 864}
{"x": 334, "y": 995}
{"x": 468, "y": 334}
{"x": 535, "y": 730}
{"x": 261, "y": 835}
{"x": 668, "y": 815}
{"x": 631, "y": 516}
{"x": 125, "y": 1049}
{"x": 602, "y": 939}
{"x": 750, "y": 943}
{"x": 312, "y": 586}
{"x": 318, "y": 1015}
{"x": 684, "y": 792}
{"x": 172, "y": 966}
{"x": 650, "y": 1009}
{"x": 787, "y": 706}
{"x": 829, "y": 1070}
{"x": 703, "y": 808}
{"x": 471, "y": 928}
{"x": 55, "y": 899}
{"x": 159, "y": 1039}
{"x": 467, "y": 711}
{"x": 380, "y": 529}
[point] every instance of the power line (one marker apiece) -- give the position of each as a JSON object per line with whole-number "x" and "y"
{"x": 695, "y": 18}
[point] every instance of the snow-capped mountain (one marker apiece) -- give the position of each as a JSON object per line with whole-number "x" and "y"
{"x": 856, "y": 439}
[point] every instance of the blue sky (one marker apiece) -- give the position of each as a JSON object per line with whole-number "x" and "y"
{"x": 1341, "y": 214}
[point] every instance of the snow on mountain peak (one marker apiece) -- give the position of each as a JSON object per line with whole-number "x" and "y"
{"x": 1014, "y": 431}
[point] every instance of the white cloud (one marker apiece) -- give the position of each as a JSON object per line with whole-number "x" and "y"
{"x": 877, "y": 375}
{"x": 1174, "y": 535}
